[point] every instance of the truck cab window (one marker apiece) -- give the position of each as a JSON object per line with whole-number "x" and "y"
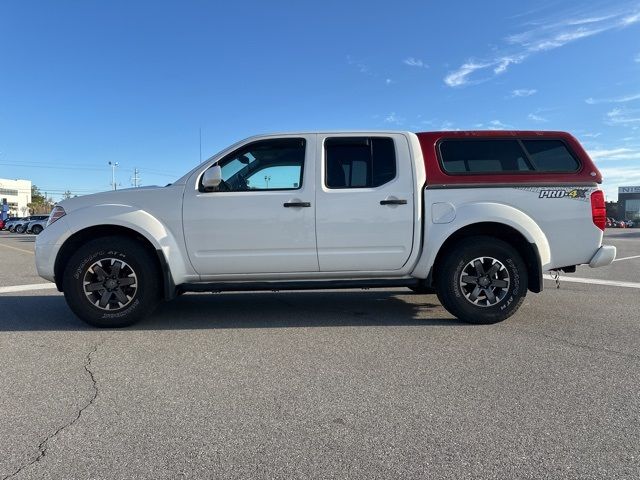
{"x": 264, "y": 165}
{"x": 359, "y": 162}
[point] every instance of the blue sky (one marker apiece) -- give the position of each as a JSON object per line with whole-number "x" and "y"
{"x": 87, "y": 82}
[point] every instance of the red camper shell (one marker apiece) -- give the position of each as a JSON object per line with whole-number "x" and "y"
{"x": 473, "y": 158}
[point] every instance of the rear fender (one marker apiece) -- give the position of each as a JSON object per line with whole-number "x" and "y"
{"x": 472, "y": 213}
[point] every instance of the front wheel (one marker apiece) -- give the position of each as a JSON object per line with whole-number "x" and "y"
{"x": 482, "y": 280}
{"x": 112, "y": 282}
{"x": 36, "y": 230}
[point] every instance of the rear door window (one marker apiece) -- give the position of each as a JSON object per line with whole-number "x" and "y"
{"x": 359, "y": 162}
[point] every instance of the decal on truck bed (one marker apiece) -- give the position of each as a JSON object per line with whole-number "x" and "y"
{"x": 582, "y": 194}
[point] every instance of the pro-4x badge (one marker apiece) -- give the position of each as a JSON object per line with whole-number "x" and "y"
{"x": 558, "y": 193}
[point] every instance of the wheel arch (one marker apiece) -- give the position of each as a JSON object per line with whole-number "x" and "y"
{"x": 80, "y": 237}
{"x": 528, "y": 250}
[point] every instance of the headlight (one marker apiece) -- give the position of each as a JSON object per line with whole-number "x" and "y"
{"x": 56, "y": 213}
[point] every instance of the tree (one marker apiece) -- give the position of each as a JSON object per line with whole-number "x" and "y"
{"x": 613, "y": 209}
{"x": 39, "y": 202}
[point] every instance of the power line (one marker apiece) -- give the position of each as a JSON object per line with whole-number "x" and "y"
{"x": 95, "y": 169}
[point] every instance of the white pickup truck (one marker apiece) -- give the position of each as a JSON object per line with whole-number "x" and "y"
{"x": 474, "y": 216}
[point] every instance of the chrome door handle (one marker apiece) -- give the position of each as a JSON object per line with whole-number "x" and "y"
{"x": 296, "y": 204}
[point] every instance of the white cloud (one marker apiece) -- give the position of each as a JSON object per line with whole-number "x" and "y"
{"x": 591, "y": 135}
{"x": 498, "y": 125}
{"x": 523, "y": 92}
{"x": 460, "y": 76}
{"x": 388, "y": 81}
{"x": 393, "y": 119}
{"x": 415, "y": 62}
{"x": 447, "y": 125}
{"x": 631, "y": 19}
{"x": 504, "y": 62}
{"x": 585, "y": 21}
{"x": 637, "y": 58}
{"x": 615, "y": 154}
{"x": 536, "y": 118}
{"x": 561, "y": 39}
{"x": 546, "y": 36}
{"x": 623, "y": 99}
{"x": 623, "y": 116}
{"x": 615, "y": 177}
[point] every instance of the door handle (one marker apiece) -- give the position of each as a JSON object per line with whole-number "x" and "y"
{"x": 296, "y": 204}
{"x": 395, "y": 201}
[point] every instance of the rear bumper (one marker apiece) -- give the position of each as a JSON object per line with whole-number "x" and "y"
{"x": 603, "y": 257}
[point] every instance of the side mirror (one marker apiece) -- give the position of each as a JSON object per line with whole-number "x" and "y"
{"x": 212, "y": 177}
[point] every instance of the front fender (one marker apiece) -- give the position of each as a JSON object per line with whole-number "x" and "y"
{"x": 160, "y": 234}
{"x": 436, "y": 234}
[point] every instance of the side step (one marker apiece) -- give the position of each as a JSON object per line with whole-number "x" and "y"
{"x": 295, "y": 285}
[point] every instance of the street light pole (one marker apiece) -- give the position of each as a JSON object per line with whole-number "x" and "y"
{"x": 113, "y": 174}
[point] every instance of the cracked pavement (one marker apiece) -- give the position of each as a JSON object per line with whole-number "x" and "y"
{"x": 42, "y": 447}
{"x": 374, "y": 384}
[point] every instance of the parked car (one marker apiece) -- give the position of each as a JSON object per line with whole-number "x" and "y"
{"x": 479, "y": 216}
{"x": 24, "y": 226}
{"x": 621, "y": 223}
{"x": 630, "y": 223}
{"x": 36, "y": 226}
{"x": 21, "y": 225}
{"x": 1, "y": 224}
{"x": 12, "y": 222}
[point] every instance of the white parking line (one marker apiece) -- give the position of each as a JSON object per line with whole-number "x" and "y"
{"x": 26, "y": 288}
{"x": 596, "y": 281}
{"x": 626, "y": 258}
{"x": 18, "y": 249}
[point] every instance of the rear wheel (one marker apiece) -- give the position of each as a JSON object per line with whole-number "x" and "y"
{"x": 20, "y": 229}
{"x": 482, "y": 280}
{"x": 36, "y": 230}
{"x": 112, "y": 282}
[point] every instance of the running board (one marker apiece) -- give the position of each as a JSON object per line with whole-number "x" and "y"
{"x": 295, "y": 285}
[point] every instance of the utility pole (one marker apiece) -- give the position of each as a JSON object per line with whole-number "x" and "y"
{"x": 113, "y": 174}
{"x": 200, "y": 130}
{"x": 266, "y": 180}
{"x": 135, "y": 180}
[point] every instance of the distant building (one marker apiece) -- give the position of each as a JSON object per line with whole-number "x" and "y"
{"x": 629, "y": 202}
{"x": 16, "y": 195}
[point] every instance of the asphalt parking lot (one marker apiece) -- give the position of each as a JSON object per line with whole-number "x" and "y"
{"x": 359, "y": 384}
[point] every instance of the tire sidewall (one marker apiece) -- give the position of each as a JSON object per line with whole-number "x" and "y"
{"x": 144, "y": 300}
{"x": 451, "y": 292}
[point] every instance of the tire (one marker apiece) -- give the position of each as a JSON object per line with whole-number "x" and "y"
{"x": 37, "y": 229}
{"x": 94, "y": 282}
{"x": 484, "y": 293}
{"x": 19, "y": 229}
{"x": 10, "y": 229}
